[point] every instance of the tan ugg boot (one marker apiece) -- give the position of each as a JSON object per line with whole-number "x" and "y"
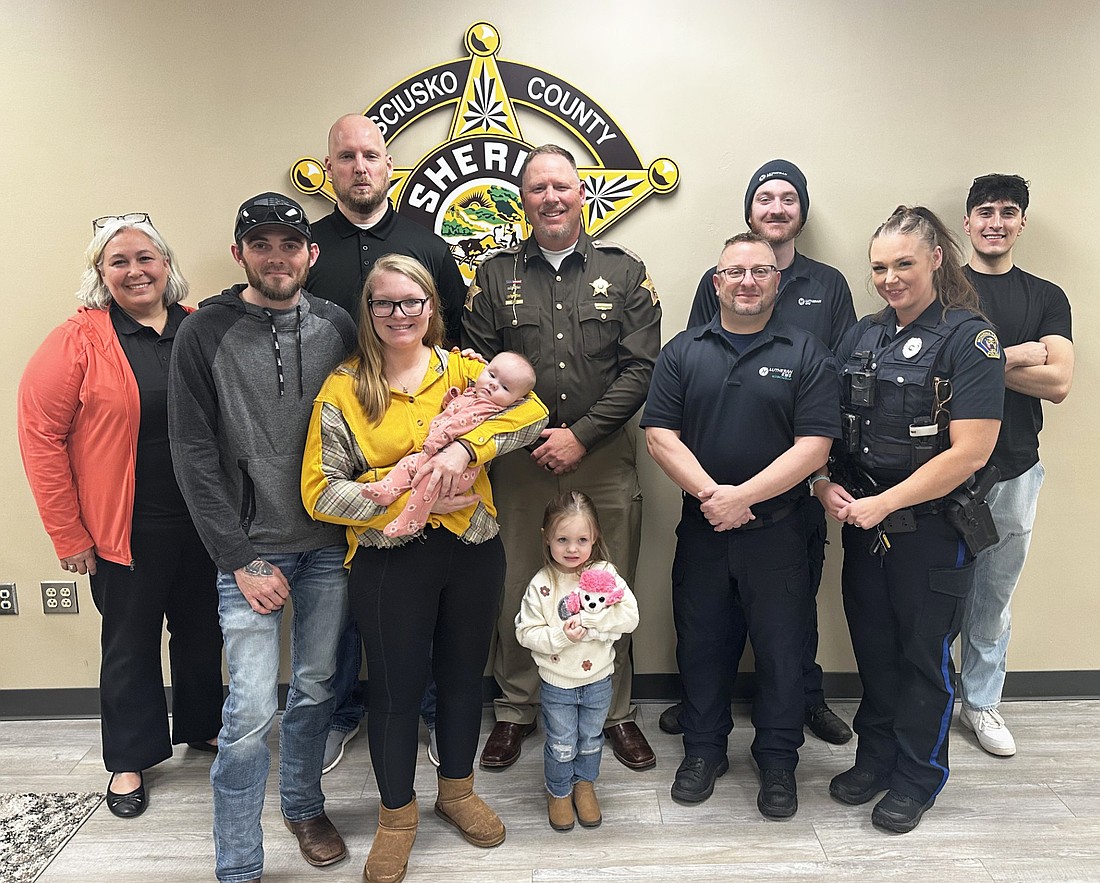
{"x": 560, "y": 811}
{"x": 393, "y": 841}
{"x": 458, "y": 805}
{"x": 588, "y": 807}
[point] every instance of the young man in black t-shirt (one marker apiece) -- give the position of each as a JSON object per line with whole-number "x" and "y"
{"x": 1032, "y": 317}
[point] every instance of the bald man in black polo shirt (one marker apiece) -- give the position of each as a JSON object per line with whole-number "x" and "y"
{"x": 740, "y": 412}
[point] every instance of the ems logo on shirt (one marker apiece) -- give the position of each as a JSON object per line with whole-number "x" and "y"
{"x": 987, "y": 342}
{"x": 466, "y": 188}
{"x": 776, "y": 373}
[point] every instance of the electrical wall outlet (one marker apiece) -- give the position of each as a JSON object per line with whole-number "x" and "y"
{"x": 9, "y": 603}
{"x": 59, "y": 597}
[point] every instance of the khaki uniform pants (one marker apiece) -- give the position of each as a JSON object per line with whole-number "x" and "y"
{"x": 521, "y": 489}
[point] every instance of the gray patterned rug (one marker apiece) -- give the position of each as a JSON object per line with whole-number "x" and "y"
{"x": 34, "y": 827}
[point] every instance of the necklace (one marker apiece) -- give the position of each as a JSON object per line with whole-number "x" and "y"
{"x": 409, "y": 378}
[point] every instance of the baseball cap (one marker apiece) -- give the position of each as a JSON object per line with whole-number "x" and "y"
{"x": 271, "y": 209}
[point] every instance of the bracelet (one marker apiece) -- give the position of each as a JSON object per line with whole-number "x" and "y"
{"x": 821, "y": 476}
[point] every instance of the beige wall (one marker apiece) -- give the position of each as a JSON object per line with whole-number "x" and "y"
{"x": 185, "y": 109}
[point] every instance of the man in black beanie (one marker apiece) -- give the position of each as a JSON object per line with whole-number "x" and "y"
{"x": 814, "y": 297}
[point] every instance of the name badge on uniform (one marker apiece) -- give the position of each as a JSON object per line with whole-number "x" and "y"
{"x": 911, "y": 347}
{"x": 600, "y": 306}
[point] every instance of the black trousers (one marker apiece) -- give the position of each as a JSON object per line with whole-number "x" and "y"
{"x": 726, "y": 585}
{"x": 816, "y": 536}
{"x": 172, "y": 579}
{"x": 904, "y": 612}
{"x": 420, "y": 606}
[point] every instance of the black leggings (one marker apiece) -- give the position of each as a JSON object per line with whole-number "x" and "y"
{"x": 440, "y": 592}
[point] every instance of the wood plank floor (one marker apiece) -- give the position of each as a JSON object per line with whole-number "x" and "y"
{"x": 1033, "y": 817}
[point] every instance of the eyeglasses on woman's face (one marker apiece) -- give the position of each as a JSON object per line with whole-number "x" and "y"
{"x": 383, "y": 309}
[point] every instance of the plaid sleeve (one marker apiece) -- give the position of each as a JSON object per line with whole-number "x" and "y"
{"x": 342, "y": 462}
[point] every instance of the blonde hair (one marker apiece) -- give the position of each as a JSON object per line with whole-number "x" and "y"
{"x": 93, "y": 292}
{"x": 568, "y": 505}
{"x": 368, "y": 366}
{"x": 953, "y": 288}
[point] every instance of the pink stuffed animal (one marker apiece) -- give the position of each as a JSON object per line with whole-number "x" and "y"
{"x": 597, "y": 589}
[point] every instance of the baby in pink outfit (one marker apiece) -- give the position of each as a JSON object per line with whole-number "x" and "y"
{"x": 505, "y": 380}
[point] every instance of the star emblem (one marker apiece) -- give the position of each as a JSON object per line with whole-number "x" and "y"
{"x": 600, "y": 286}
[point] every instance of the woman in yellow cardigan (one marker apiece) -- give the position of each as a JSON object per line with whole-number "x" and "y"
{"x": 428, "y": 600}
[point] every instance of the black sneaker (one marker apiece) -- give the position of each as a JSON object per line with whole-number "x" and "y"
{"x": 778, "y": 797}
{"x": 856, "y": 786}
{"x": 824, "y": 723}
{"x": 695, "y": 779}
{"x": 669, "y": 721}
{"x": 897, "y": 813}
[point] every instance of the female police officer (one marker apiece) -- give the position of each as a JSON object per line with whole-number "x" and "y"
{"x": 922, "y": 385}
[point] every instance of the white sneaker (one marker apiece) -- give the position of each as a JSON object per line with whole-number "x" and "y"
{"x": 334, "y": 748}
{"x": 989, "y": 727}
{"x": 433, "y": 748}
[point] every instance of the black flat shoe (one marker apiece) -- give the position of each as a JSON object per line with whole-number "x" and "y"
{"x": 130, "y": 805}
{"x": 203, "y": 746}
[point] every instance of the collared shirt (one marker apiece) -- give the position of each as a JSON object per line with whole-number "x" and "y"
{"x": 960, "y": 347}
{"x": 347, "y": 254}
{"x": 156, "y": 494}
{"x": 738, "y": 412}
{"x": 591, "y": 328}
{"x": 812, "y": 296}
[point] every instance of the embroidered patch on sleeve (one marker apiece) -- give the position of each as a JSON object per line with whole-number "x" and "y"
{"x": 473, "y": 291}
{"x": 649, "y": 286}
{"x": 987, "y": 342}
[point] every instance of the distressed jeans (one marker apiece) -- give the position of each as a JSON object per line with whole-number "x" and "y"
{"x": 573, "y": 720}
{"x": 987, "y": 622}
{"x": 318, "y": 604}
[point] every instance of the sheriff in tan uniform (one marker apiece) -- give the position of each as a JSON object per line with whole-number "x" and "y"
{"x": 587, "y": 316}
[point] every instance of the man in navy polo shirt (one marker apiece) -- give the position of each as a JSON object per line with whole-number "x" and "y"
{"x": 740, "y": 412}
{"x": 814, "y": 297}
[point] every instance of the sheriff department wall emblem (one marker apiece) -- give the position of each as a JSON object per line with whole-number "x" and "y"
{"x": 466, "y": 188}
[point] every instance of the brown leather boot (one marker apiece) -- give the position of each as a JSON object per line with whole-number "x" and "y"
{"x": 560, "y": 811}
{"x": 588, "y": 807}
{"x": 393, "y": 841}
{"x": 458, "y": 805}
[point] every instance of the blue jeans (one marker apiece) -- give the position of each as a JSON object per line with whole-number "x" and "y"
{"x": 573, "y": 720}
{"x": 319, "y": 600}
{"x": 987, "y": 623}
{"x": 349, "y": 708}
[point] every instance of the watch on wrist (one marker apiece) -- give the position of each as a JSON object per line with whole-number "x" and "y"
{"x": 259, "y": 567}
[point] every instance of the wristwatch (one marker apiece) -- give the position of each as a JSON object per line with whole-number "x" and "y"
{"x": 259, "y": 567}
{"x": 821, "y": 476}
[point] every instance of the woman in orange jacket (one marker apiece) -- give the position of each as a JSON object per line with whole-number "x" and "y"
{"x": 93, "y": 433}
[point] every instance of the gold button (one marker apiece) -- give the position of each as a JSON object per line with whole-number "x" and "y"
{"x": 560, "y": 335}
{"x": 561, "y": 364}
{"x": 557, "y": 306}
{"x": 563, "y": 396}
{"x": 603, "y": 315}
{"x": 515, "y": 321}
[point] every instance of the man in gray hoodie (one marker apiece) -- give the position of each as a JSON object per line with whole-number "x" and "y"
{"x": 245, "y": 370}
